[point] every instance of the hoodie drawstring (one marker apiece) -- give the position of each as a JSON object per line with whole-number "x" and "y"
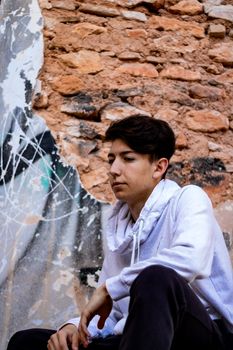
{"x": 134, "y": 248}
{"x": 136, "y": 242}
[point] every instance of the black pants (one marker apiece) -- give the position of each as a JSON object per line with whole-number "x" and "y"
{"x": 164, "y": 314}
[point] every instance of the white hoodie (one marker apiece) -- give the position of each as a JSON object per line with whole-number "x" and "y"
{"x": 176, "y": 228}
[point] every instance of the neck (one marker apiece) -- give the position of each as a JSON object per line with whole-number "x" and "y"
{"x": 135, "y": 209}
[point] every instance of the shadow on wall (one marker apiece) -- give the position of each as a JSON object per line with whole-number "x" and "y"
{"x": 50, "y": 228}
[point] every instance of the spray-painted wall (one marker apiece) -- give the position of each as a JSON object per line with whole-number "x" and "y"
{"x": 50, "y": 228}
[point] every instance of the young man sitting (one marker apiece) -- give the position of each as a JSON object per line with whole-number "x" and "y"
{"x": 166, "y": 281}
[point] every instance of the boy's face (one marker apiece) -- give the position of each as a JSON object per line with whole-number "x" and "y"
{"x": 132, "y": 175}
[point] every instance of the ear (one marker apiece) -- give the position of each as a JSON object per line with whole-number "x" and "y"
{"x": 160, "y": 168}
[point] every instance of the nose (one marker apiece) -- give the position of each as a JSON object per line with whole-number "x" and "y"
{"x": 115, "y": 169}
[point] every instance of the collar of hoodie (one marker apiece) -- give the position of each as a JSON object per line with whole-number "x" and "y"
{"x": 123, "y": 235}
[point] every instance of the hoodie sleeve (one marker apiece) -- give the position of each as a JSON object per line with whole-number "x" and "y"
{"x": 191, "y": 249}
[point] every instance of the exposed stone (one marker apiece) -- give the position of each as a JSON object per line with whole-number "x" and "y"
{"x": 222, "y": 53}
{"x": 155, "y": 59}
{"x": 174, "y": 44}
{"x": 84, "y": 29}
{"x": 158, "y": 4}
{"x": 170, "y": 43}
{"x": 217, "y": 31}
{"x": 120, "y": 110}
{"x": 181, "y": 141}
{"x": 65, "y": 5}
{"x": 108, "y": 54}
{"x": 81, "y": 128}
{"x": 180, "y": 61}
{"x": 187, "y": 7}
{"x": 166, "y": 114}
{"x": 179, "y": 73}
{"x": 80, "y": 110}
{"x": 208, "y": 4}
{"x": 222, "y": 11}
{"x": 49, "y": 34}
{"x": 125, "y": 92}
{"x": 163, "y": 41}
{"x": 84, "y": 148}
{"x": 212, "y": 2}
{"x": 40, "y": 100}
{"x": 136, "y": 33}
{"x": 69, "y": 19}
{"x": 203, "y": 91}
{"x": 99, "y": 10}
{"x": 94, "y": 178}
{"x": 139, "y": 69}
{"x": 50, "y": 23}
{"x": 229, "y": 168}
{"x": 86, "y": 61}
{"x": 45, "y": 4}
{"x": 68, "y": 84}
{"x": 175, "y": 25}
{"x": 134, "y": 15}
{"x": 133, "y": 3}
{"x": 231, "y": 33}
{"x": 226, "y": 77}
{"x": 214, "y": 146}
{"x": 169, "y": 3}
{"x": 128, "y": 55}
{"x": 174, "y": 95}
{"x": 214, "y": 68}
{"x": 69, "y": 154}
{"x": 206, "y": 121}
{"x": 223, "y": 213}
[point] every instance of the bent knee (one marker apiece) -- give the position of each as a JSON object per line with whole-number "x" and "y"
{"x": 26, "y": 339}
{"x": 159, "y": 272}
{"x": 16, "y": 340}
{"x": 157, "y": 276}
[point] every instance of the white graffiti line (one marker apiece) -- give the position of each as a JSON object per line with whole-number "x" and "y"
{"x": 62, "y": 216}
{"x": 60, "y": 180}
{"x": 10, "y": 195}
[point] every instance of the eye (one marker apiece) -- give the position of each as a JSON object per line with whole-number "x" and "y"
{"x": 129, "y": 159}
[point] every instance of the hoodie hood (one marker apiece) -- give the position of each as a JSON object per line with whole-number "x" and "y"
{"x": 123, "y": 235}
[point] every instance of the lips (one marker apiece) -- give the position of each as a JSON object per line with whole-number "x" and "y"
{"x": 116, "y": 184}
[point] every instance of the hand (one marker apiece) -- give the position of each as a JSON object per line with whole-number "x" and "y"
{"x": 65, "y": 337}
{"x": 99, "y": 304}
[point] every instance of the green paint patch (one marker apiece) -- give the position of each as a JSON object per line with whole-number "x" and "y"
{"x": 46, "y": 170}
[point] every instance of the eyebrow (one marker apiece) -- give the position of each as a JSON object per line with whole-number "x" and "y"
{"x": 121, "y": 153}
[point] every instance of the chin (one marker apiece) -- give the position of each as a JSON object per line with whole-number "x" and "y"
{"x": 119, "y": 195}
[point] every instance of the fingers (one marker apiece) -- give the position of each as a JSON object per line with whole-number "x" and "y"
{"x": 58, "y": 341}
{"x": 84, "y": 335}
{"x": 63, "y": 338}
{"x": 101, "y": 322}
{"x": 75, "y": 341}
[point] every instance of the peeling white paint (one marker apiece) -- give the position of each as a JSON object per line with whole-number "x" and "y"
{"x": 80, "y": 246}
{"x": 41, "y": 221}
{"x": 91, "y": 281}
{"x": 65, "y": 278}
{"x": 29, "y": 60}
{"x": 64, "y": 253}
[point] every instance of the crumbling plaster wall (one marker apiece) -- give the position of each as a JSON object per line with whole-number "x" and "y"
{"x": 106, "y": 59}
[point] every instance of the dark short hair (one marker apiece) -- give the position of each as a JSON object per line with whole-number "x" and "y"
{"x": 144, "y": 135}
